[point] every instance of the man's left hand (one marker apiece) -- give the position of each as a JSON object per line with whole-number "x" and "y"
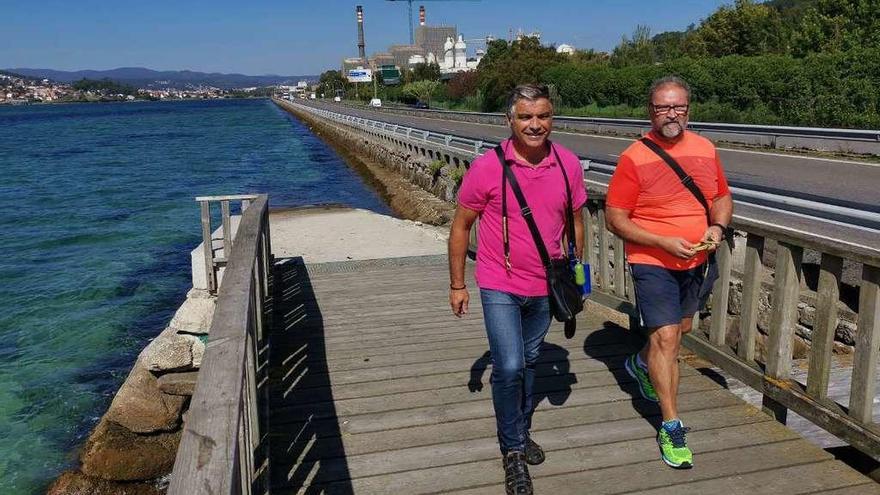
{"x": 713, "y": 235}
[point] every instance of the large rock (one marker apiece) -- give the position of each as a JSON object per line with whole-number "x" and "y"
{"x": 178, "y": 383}
{"x": 75, "y": 483}
{"x": 115, "y": 453}
{"x": 141, "y": 406}
{"x": 170, "y": 351}
{"x": 195, "y": 314}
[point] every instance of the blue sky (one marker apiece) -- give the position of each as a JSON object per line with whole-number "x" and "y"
{"x": 294, "y": 37}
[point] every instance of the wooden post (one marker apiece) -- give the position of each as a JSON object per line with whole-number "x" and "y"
{"x": 619, "y": 268}
{"x": 824, "y": 326}
{"x": 752, "y": 274}
{"x": 227, "y": 229}
{"x": 864, "y": 376}
{"x": 786, "y": 295}
{"x": 720, "y": 294}
{"x": 604, "y": 267}
{"x": 592, "y": 250}
{"x": 210, "y": 275}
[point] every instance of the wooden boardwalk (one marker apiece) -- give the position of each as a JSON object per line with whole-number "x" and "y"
{"x": 376, "y": 389}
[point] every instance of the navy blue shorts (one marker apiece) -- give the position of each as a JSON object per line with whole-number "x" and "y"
{"x": 665, "y": 296}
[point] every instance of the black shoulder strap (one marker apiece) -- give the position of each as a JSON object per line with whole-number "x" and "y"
{"x": 507, "y": 175}
{"x": 686, "y": 180}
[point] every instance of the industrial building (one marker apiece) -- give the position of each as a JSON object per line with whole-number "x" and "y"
{"x": 432, "y": 38}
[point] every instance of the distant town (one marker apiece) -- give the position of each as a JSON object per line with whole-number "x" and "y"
{"x": 16, "y": 89}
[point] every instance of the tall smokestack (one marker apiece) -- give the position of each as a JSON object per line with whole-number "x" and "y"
{"x": 360, "y": 16}
{"x": 421, "y": 15}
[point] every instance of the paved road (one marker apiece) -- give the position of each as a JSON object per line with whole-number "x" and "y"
{"x": 843, "y": 182}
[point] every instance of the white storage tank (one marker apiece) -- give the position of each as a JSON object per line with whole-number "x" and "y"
{"x": 460, "y": 52}
{"x": 448, "y": 60}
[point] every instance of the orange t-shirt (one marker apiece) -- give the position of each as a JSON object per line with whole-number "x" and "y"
{"x": 659, "y": 203}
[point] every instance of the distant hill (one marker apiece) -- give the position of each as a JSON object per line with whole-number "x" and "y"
{"x": 148, "y": 78}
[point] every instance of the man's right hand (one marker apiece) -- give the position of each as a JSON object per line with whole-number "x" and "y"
{"x": 458, "y": 301}
{"x": 678, "y": 247}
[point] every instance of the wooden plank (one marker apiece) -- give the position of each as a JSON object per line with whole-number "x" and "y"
{"x": 867, "y": 347}
{"x": 629, "y": 436}
{"x": 725, "y": 410}
{"x": 824, "y": 326}
{"x": 720, "y": 295}
{"x": 752, "y": 275}
{"x": 825, "y": 477}
{"x": 604, "y": 267}
{"x": 600, "y": 390}
{"x": 783, "y": 319}
{"x": 603, "y": 468}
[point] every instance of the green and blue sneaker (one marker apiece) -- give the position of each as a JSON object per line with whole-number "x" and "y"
{"x": 673, "y": 445}
{"x": 641, "y": 376}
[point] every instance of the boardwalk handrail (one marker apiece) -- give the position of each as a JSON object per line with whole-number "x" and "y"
{"x": 212, "y": 261}
{"x": 736, "y": 352}
{"x": 223, "y": 448}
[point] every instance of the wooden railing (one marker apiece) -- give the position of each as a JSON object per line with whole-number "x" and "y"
{"x": 213, "y": 262}
{"x": 771, "y": 375}
{"x": 224, "y": 447}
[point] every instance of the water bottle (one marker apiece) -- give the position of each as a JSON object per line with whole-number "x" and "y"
{"x": 579, "y": 277}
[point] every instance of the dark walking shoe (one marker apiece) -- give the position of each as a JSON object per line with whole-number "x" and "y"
{"x": 534, "y": 453}
{"x": 516, "y": 474}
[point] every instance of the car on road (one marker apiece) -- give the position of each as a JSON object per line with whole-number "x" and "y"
{"x": 336, "y": 98}
{"x": 375, "y": 102}
{"x": 422, "y": 105}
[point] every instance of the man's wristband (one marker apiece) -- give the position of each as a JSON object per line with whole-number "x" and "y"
{"x": 463, "y": 287}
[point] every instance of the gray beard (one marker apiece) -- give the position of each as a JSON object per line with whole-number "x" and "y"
{"x": 671, "y": 130}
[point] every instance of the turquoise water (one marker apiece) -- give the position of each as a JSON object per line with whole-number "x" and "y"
{"x": 94, "y": 245}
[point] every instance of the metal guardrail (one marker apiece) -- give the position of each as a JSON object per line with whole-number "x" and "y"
{"x": 223, "y": 449}
{"x": 820, "y": 209}
{"x": 867, "y": 135}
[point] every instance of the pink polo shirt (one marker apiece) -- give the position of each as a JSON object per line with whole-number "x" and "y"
{"x": 544, "y": 190}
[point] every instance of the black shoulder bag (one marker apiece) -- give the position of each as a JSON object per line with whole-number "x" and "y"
{"x": 565, "y": 296}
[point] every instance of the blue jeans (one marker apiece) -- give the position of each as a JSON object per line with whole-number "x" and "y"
{"x": 516, "y": 327}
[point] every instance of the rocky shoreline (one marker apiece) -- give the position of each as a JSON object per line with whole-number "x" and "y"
{"x": 135, "y": 442}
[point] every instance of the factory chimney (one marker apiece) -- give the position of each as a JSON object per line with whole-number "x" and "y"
{"x": 360, "y": 17}
{"x": 421, "y": 15}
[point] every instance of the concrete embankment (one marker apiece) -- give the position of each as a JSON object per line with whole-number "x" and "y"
{"x": 417, "y": 188}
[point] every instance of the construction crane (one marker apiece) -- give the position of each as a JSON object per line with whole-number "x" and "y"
{"x": 412, "y": 39}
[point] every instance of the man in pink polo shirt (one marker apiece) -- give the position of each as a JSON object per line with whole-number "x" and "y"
{"x": 513, "y": 290}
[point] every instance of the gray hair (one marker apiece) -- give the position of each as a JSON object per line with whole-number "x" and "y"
{"x": 668, "y": 81}
{"x": 529, "y": 92}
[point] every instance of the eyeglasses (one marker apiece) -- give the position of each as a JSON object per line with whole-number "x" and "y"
{"x": 664, "y": 109}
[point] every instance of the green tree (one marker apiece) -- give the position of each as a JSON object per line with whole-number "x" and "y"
{"x": 838, "y": 25}
{"x": 638, "y": 50}
{"x": 746, "y": 28}
{"x": 422, "y": 90}
{"x": 330, "y": 81}
{"x": 507, "y": 64}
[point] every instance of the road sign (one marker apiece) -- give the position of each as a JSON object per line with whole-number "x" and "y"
{"x": 360, "y": 75}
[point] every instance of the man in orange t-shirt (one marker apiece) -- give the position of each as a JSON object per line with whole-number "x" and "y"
{"x": 662, "y": 222}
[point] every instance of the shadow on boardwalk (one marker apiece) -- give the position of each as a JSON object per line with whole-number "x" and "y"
{"x": 303, "y": 422}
